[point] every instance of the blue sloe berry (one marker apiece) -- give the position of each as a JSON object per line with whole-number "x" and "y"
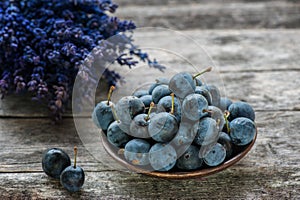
{"x": 162, "y": 157}
{"x": 225, "y": 140}
{"x": 225, "y": 103}
{"x": 163, "y": 127}
{"x": 116, "y": 136}
{"x": 207, "y": 131}
{"x": 72, "y": 178}
{"x": 136, "y": 151}
{"x": 193, "y": 106}
{"x": 182, "y": 84}
{"x": 54, "y": 161}
{"x": 160, "y": 92}
{"x": 139, "y": 126}
{"x": 215, "y": 156}
{"x": 241, "y": 109}
{"x": 102, "y": 115}
{"x": 190, "y": 159}
{"x": 165, "y": 105}
{"x": 242, "y": 131}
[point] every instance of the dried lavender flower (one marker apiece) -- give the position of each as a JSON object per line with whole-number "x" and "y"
{"x": 44, "y": 43}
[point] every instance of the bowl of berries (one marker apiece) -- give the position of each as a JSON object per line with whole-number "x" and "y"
{"x": 175, "y": 127}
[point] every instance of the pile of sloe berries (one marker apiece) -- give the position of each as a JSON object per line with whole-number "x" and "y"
{"x": 181, "y": 124}
{"x": 56, "y": 163}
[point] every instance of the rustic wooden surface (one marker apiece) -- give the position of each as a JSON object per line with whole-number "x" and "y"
{"x": 215, "y": 14}
{"x": 261, "y": 66}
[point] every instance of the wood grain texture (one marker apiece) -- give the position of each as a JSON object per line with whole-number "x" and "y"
{"x": 277, "y": 134}
{"x": 215, "y": 15}
{"x": 123, "y": 3}
{"x": 259, "y": 66}
{"x": 270, "y": 170}
{"x": 235, "y": 183}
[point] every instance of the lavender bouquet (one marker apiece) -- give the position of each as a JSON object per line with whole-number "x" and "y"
{"x": 45, "y": 44}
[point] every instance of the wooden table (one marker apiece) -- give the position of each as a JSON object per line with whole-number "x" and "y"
{"x": 260, "y": 66}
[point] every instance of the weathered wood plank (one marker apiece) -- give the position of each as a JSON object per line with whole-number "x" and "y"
{"x": 22, "y": 142}
{"x": 123, "y": 3}
{"x": 231, "y": 50}
{"x": 274, "y": 14}
{"x": 235, "y": 183}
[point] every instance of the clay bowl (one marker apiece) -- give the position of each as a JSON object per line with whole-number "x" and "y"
{"x": 177, "y": 175}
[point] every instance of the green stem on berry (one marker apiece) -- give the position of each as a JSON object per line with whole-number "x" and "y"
{"x": 202, "y": 72}
{"x": 173, "y": 104}
{"x": 75, "y": 156}
{"x": 114, "y": 112}
{"x": 111, "y": 89}
{"x": 226, "y": 115}
{"x": 149, "y": 111}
